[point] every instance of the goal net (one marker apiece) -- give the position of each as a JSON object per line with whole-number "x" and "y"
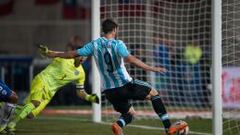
{"x": 231, "y": 66}
{"x": 175, "y": 34}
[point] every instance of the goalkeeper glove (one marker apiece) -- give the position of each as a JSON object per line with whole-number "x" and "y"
{"x": 43, "y": 49}
{"x": 92, "y": 98}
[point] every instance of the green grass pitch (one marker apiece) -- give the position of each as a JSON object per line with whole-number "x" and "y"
{"x": 80, "y": 125}
{"x": 72, "y": 126}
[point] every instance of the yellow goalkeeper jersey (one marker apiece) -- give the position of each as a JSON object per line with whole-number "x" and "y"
{"x": 61, "y": 72}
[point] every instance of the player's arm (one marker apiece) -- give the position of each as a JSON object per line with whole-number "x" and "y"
{"x": 84, "y": 95}
{"x": 123, "y": 52}
{"x": 86, "y": 50}
{"x": 67, "y": 55}
{"x": 137, "y": 62}
{"x": 81, "y": 91}
{"x": 49, "y": 53}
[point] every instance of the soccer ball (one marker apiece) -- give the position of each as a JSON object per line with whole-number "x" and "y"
{"x": 184, "y": 131}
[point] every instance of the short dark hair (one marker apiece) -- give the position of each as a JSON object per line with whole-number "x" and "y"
{"x": 75, "y": 43}
{"x": 108, "y": 25}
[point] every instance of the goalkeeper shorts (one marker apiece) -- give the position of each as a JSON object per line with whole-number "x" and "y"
{"x": 39, "y": 92}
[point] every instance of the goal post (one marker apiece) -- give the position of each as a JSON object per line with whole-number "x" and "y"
{"x": 217, "y": 67}
{"x": 95, "y": 32}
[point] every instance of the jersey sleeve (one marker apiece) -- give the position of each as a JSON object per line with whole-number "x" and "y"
{"x": 122, "y": 49}
{"x": 80, "y": 81}
{"x": 86, "y": 50}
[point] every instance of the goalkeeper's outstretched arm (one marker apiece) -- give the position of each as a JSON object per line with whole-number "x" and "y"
{"x": 67, "y": 55}
{"x": 49, "y": 53}
{"x": 88, "y": 97}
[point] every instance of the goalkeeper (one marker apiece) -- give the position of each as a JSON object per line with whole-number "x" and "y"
{"x": 44, "y": 86}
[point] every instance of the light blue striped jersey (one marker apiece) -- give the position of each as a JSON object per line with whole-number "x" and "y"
{"x": 108, "y": 55}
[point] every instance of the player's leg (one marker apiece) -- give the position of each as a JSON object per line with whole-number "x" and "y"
{"x": 120, "y": 102}
{"x": 27, "y": 109}
{"x": 38, "y": 109}
{"x": 126, "y": 117}
{"x": 160, "y": 110}
{"x": 22, "y": 113}
{"x": 10, "y": 98}
{"x": 143, "y": 90}
{"x": 32, "y": 101}
{"x": 123, "y": 120}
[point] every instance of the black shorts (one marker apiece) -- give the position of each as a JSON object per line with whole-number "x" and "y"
{"x": 119, "y": 97}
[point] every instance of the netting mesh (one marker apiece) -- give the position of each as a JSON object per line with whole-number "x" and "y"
{"x": 231, "y": 63}
{"x": 175, "y": 34}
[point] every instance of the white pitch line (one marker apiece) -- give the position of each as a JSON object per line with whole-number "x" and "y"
{"x": 106, "y": 123}
{"x": 158, "y": 128}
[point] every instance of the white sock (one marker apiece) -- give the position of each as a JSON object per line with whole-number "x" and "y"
{"x": 8, "y": 111}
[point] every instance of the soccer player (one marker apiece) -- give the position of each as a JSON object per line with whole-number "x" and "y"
{"x": 44, "y": 85}
{"x": 10, "y": 98}
{"x": 118, "y": 85}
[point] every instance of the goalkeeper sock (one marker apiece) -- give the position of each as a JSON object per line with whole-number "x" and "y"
{"x": 24, "y": 111}
{"x": 159, "y": 108}
{"x": 124, "y": 119}
{"x": 18, "y": 109}
{"x": 8, "y": 111}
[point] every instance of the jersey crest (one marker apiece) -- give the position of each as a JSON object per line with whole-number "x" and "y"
{"x": 76, "y": 72}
